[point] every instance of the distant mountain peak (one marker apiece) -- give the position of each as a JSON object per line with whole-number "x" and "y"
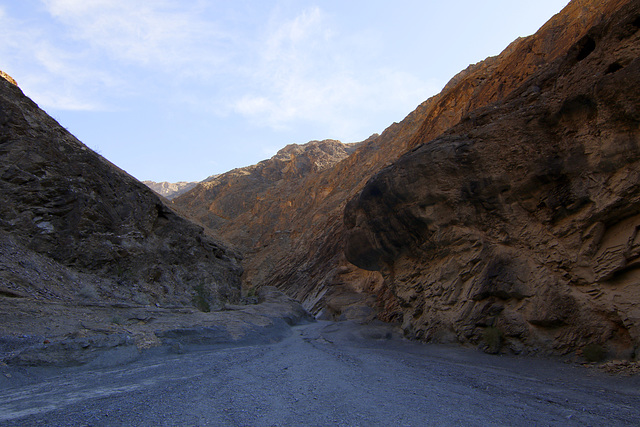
{"x": 170, "y": 190}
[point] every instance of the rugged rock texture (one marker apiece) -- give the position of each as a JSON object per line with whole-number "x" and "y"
{"x": 272, "y": 210}
{"x": 73, "y": 227}
{"x": 104, "y": 334}
{"x": 95, "y": 268}
{"x": 170, "y": 190}
{"x": 219, "y": 200}
{"x": 518, "y": 228}
{"x": 294, "y": 230}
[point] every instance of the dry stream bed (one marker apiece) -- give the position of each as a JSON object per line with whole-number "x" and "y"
{"x": 320, "y": 373}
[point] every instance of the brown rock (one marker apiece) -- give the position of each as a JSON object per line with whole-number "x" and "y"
{"x": 293, "y": 228}
{"x": 524, "y": 216}
{"x": 8, "y": 78}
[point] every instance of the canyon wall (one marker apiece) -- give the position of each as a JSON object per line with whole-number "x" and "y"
{"x": 518, "y": 227}
{"x": 291, "y": 231}
{"x": 74, "y": 227}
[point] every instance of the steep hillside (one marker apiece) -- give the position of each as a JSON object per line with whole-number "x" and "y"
{"x": 73, "y": 227}
{"x": 170, "y": 190}
{"x": 224, "y": 202}
{"x": 294, "y": 230}
{"x": 518, "y": 228}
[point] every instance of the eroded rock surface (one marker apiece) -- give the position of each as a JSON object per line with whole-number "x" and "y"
{"x": 58, "y": 334}
{"x": 279, "y": 213}
{"x": 74, "y": 227}
{"x": 218, "y": 201}
{"x": 518, "y": 228}
{"x": 292, "y": 231}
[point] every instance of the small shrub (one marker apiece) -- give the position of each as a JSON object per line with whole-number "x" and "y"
{"x": 594, "y": 353}
{"x": 492, "y": 337}
{"x": 252, "y": 293}
{"x": 201, "y": 298}
{"x": 116, "y": 320}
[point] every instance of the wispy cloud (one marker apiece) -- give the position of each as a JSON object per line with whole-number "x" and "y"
{"x": 277, "y": 72}
{"x": 52, "y": 76}
{"x": 93, "y": 52}
{"x": 308, "y": 71}
{"x": 162, "y": 33}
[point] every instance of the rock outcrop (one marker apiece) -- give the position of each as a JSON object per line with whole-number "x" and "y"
{"x": 170, "y": 190}
{"x": 218, "y": 201}
{"x": 8, "y": 78}
{"x": 74, "y": 227}
{"x": 518, "y": 227}
{"x": 285, "y": 215}
{"x": 96, "y": 268}
{"x": 59, "y": 334}
{"x": 293, "y": 232}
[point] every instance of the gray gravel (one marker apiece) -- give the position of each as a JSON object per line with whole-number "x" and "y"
{"x": 323, "y": 374}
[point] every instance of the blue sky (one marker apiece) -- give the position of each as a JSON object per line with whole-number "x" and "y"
{"x": 182, "y": 89}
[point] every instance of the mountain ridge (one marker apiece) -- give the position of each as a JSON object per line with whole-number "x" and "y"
{"x": 170, "y": 190}
{"x": 522, "y": 219}
{"x": 284, "y": 258}
{"x": 293, "y": 237}
{"x": 94, "y": 222}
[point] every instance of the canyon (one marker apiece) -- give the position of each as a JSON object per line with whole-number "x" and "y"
{"x": 502, "y": 213}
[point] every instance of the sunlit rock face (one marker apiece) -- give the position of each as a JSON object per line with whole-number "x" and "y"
{"x": 290, "y": 225}
{"x": 170, "y": 190}
{"x": 521, "y": 222}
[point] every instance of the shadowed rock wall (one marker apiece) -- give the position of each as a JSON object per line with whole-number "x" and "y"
{"x": 522, "y": 221}
{"x": 290, "y": 228}
{"x": 72, "y": 225}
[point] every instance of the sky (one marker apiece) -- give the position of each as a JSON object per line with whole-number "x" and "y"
{"x": 178, "y": 90}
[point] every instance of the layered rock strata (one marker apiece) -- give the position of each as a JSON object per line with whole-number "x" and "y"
{"x": 518, "y": 228}
{"x": 74, "y": 227}
{"x": 272, "y": 210}
{"x": 292, "y": 229}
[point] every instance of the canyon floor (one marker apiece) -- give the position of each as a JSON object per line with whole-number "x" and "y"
{"x": 323, "y": 373}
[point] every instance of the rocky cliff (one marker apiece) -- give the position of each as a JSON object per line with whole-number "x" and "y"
{"x": 275, "y": 213}
{"x": 73, "y": 227}
{"x": 293, "y": 232}
{"x": 219, "y": 200}
{"x": 518, "y": 227}
{"x": 170, "y": 190}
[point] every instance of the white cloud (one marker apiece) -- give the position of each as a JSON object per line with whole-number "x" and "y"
{"x": 289, "y": 40}
{"x": 55, "y": 75}
{"x": 43, "y": 71}
{"x": 93, "y": 53}
{"x": 159, "y": 33}
{"x": 279, "y": 72}
{"x": 309, "y": 72}
{"x": 254, "y": 105}
{"x": 295, "y": 72}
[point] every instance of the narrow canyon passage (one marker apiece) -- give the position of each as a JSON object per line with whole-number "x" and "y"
{"x": 323, "y": 374}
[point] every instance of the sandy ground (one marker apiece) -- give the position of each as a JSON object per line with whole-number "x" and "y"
{"x": 322, "y": 374}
